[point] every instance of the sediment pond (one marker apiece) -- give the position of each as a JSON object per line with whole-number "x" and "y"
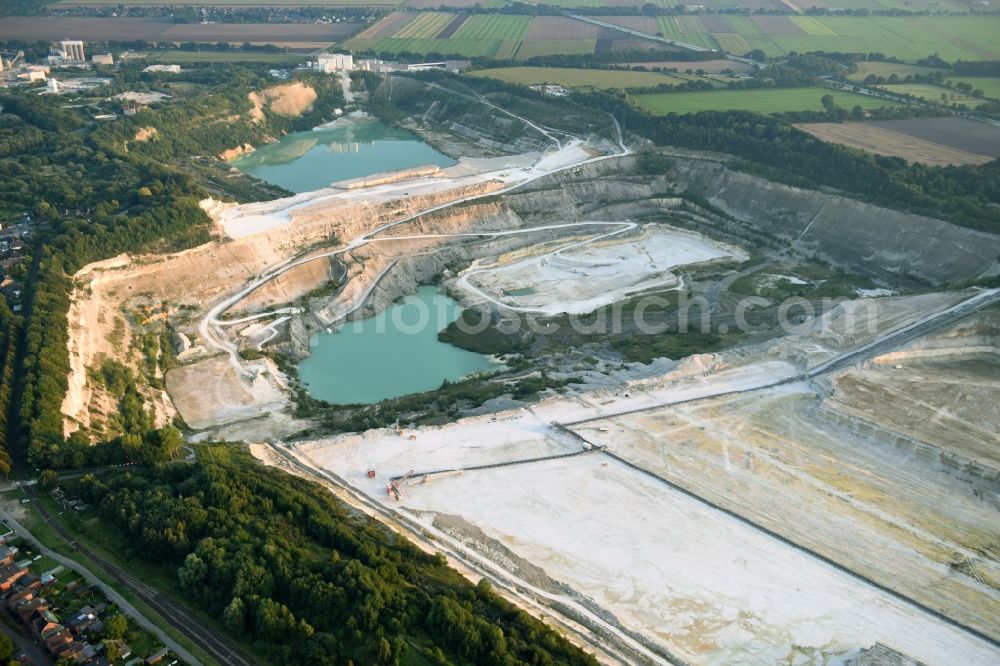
{"x": 394, "y": 353}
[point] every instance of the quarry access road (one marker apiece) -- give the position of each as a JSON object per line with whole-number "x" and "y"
{"x": 210, "y": 327}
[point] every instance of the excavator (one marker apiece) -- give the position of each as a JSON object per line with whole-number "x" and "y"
{"x": 394, "y": 488}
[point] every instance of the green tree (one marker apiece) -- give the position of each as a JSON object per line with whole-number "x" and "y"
{"x": 116, "y": 627}
{"x": 6, "y": 648}
{"x": 48, "y": 479}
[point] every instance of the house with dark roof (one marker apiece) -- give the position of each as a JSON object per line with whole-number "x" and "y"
{"x": 57, "y": 639}
{"x": 10, "y": 574}
{"x": 19, "y": 596}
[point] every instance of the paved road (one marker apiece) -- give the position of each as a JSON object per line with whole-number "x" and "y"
{"x": 172, "y": 612}
{"x": 112, "y": 594}
{"x": 22, "y": 645}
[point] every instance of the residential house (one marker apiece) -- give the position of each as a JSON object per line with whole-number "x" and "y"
{"x": 20, "y": 596}
{"x": 57, "y": 640}
{"x": 44, "y": 622}
{"x": 29, "y": 608}
{"x": 10, "y": 574}
{"x": 157, "y": 657}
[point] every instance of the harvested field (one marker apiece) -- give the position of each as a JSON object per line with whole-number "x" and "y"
{"x": 53, "y": 28}
{"x": 177, "y": 56}
{"x": 559, "y": 28}
{"x": 959, "y": 133}
{"x": 577, "y": 78}
{"x": 732, "y": 43}
{"x": 426, "y": 26}
{"x": 882, "y": 140}
{"x": 508, "y": 49}
{"x": 455, "y": 24}
{"x": 716, "y": 23}
{"x": 778, "y": 25}
{"x": 389, "y": 25}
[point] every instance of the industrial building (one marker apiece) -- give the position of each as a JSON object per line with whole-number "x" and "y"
{"x": 335, "y": 62}
{"x": 72, "y": 50}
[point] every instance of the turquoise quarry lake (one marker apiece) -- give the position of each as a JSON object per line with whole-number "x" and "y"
{"x": 304, "y": 161}
{"x": 396, "y": 352}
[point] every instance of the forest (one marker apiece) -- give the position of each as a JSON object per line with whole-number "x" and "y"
{"x": 301, "y": 577}
{"x": 95, "y": 192}
{"x": 771, "y": 147}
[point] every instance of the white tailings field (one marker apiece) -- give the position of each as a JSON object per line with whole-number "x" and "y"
{"x": 581, "y": 277}
{"x": 707, "y": 587}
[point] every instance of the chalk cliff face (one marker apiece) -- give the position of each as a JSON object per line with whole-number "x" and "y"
{"x": 857, "y": 236}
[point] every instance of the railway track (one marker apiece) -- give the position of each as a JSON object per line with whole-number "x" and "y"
{"x": 172, "y": 612}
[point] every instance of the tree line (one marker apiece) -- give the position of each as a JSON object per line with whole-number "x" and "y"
{"x": 302, "y": 578}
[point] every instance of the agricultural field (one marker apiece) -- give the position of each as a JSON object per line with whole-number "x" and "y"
{"x": 497, "y": 36}
{"x": 907, "y": 38}
{"x": 577, "y": 78}
{"x": 51, "y": 28}
{"x": 882, "y": 139}
{"x": 765, "y": 100}
{"x": 868, "y": 68}
{"x": 234, "y": 3}
{"x": 177, "y": 56}
{"x": 931, "y": 92}
{"x": 990, "y": 85}
{"x": 958, "y": 133}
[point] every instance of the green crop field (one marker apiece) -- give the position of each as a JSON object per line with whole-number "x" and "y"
{"x": 544, "y": 47}
{"x": 908, "y": 38}
{"x": 990, "y": 85}
{"x": 468, "y": 48}
{"x": 577, "y": 78}
{"x": 765, "y": 100}
{"x": 486, "y": 26}
{"x": 929, "y": 92}
{"x": 887, "y": 69}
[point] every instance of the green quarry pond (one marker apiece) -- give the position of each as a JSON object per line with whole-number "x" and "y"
{"x": 304, "y": 161}
{"x": 394, "y": 353}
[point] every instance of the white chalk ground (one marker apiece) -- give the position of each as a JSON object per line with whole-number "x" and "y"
{"x": 702, "y": 584}
{"x": 477, "y": 441}
{"x": 241, "y": 220}
{"x": 707, "y": 587}
{"x": 579, "y": 278}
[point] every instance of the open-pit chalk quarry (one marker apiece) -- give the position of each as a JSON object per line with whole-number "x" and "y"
{"x": 794, "y": 500}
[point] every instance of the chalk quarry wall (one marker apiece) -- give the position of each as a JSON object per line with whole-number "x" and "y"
{"x": 857, "y": 236}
